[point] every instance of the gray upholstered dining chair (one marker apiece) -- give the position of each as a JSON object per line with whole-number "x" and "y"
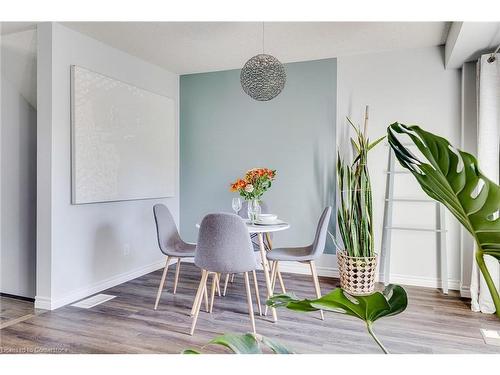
{"x": 223, "y": 246}
{"x": 256, "y": 247}
{"x": 172, "y": 245}
{"x": 305, "y": 254}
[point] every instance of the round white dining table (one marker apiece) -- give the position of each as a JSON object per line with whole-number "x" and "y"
{"x": 260, "y": 230}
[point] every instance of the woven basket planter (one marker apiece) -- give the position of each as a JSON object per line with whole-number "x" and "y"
{"x": 357, "y": 274}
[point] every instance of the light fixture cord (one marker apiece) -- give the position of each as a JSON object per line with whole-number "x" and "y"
{"x": 262, "y": 37}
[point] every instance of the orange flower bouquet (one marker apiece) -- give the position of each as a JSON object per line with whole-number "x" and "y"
{"x": 255, "y": 183}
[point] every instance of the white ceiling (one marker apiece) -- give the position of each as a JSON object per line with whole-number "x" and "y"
{"x": 469, "y": 40}
{"x": 192, "y": 47}
{"x": 15, "y": 27}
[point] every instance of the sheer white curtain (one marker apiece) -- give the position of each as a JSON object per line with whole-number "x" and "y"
{"x": 488, "y": 138}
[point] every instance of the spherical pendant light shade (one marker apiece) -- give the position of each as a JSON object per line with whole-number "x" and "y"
{"x": 263, "y": 77}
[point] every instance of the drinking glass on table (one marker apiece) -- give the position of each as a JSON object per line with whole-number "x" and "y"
{"x": 236, "y": 205}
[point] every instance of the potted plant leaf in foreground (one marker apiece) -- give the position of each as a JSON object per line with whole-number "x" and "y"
{"x": 247, "y": 343}
{"x": 392, "y": 301}
{"x": 453, "y": 178}
{"x": 369, "y": 308}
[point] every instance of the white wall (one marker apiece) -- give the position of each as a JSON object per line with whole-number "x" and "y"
{"x": 18, "y": 164}
{"x": 83, "y": 249}
{"x": 411, "y": 87}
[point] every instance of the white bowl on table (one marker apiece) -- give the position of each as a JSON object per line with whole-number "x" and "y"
{"x": 268, "y": 218}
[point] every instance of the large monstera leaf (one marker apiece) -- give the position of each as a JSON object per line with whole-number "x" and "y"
{"x": 368, "y": 308}
{"x": 453, "y": 178}
{"x": 245, "y": 344}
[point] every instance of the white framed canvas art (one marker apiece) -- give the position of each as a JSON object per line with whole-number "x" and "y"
{"x": 123, "y": 140}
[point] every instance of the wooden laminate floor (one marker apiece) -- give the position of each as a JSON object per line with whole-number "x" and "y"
{"x": 14, "y": 310}
{"x": 433, "y": 323}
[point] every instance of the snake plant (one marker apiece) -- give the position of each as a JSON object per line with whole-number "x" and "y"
{"x": 453, "y": 178}
{"x": 354, "y": 215}
{"x": 245, "y": 344}
{"x": 368, "y": 308}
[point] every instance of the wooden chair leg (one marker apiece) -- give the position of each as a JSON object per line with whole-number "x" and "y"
{"x": 249, "y": 301}
{"x": 163, "y": 278}
{"x": 232, "y": 278}
{"x": 257, "y": 295}
{"x": 197, "y": 304}
{"x": 282, "y": 284}
{"x": 212, "y": 293}
{"x": 274, "y": 269}
{"x": 203, "y": 295}
{"x": 225, "y": 284}
{"x": 217, "y": 280}
{"x": 275, "y": 274}
{"x": 177, "y": 270}
{"x": 316, "y": 284}
{"x": 269, "y": 242}
{"x": 198, "y": 296}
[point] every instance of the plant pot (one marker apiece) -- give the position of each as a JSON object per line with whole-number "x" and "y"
{"x": 357, "y": 274}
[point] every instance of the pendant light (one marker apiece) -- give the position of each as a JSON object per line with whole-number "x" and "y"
{"x": 263, "y": 77}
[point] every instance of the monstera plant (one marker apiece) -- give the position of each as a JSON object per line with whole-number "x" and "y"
{"x": 453, "y": 178}
{"x": 245, "y": 344}
{"x": 368, "y": 308}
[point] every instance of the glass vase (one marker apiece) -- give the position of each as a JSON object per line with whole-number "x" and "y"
{"x": 253, "y": 210}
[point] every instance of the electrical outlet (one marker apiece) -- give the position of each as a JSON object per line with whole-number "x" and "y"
{"x": 126, "y": 249}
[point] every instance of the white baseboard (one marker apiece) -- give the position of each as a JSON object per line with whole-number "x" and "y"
{"x": 42, "y": 303}
{"x": 427, "y": 282}
{"x": 465, "y": 291}
{"x": 329, "y": 271}
{"x": 54, "y": 303}
{"x": 297, "y": 268}
{"x": 303, "y": 269}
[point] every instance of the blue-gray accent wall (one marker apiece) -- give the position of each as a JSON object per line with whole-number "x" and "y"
{"x": 223, "y": 132}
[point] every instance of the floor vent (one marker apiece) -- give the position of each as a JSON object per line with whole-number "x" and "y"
{"x": 93, "y": 301}
{"x": 491, "y": 337}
